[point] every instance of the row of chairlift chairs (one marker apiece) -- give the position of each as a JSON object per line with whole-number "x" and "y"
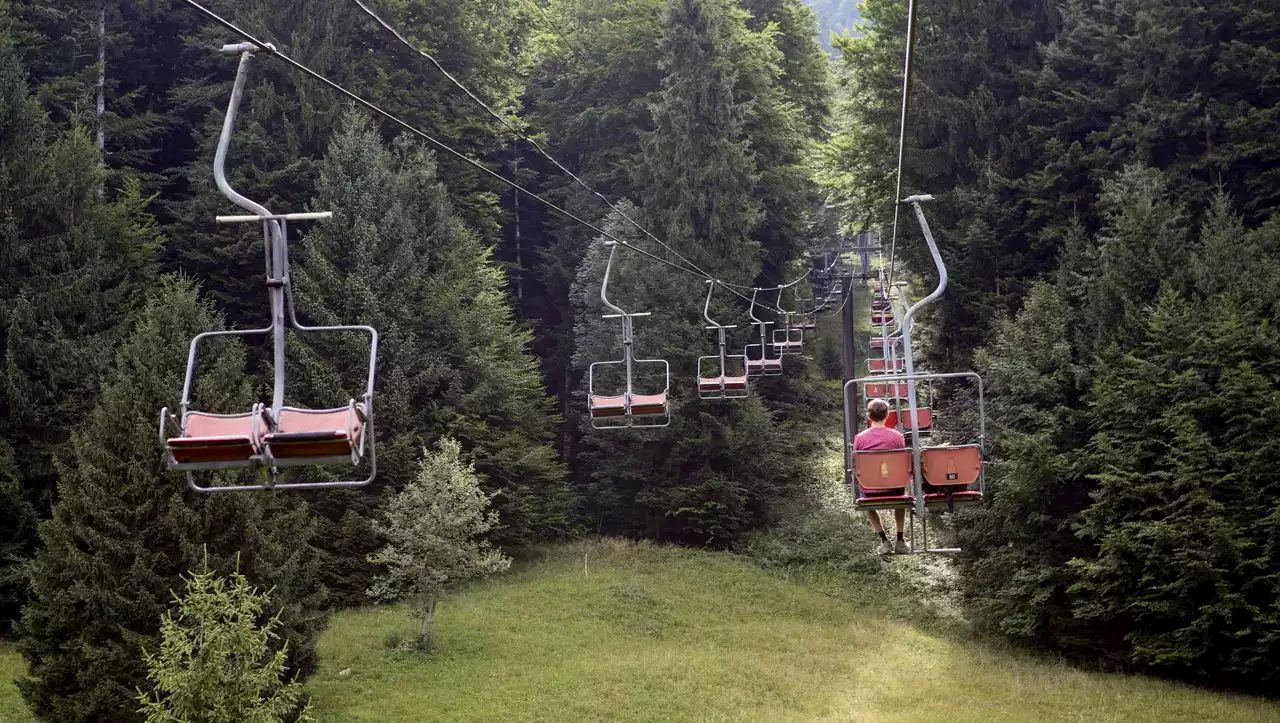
{"x": 928, "y": 476}
{"x": 720, "y": 376}
{"x": 275, "y": 436}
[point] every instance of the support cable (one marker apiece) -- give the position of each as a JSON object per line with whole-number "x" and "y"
{"x": 902, "y": 130}
{"x": 270, "y": 50}
{"x": 537, "y": 146}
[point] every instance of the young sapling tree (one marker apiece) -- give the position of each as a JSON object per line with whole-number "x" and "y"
{"x": 434, "y": 530}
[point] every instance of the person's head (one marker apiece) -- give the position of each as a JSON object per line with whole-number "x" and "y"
{"x": 877, "y": 411}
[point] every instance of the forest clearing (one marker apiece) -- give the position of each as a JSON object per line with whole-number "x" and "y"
{"x": 610, "y": 630}
{"x": 627, "y": 359}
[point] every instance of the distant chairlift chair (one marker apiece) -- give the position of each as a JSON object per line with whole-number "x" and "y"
{"x": 759, "y": 363}
{"x": 789, "y": 339}
{"x": 715, "y": 380}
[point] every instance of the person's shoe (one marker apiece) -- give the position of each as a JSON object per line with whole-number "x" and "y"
{"x": 885, "y": 548}
{"x": 900, "y": 547}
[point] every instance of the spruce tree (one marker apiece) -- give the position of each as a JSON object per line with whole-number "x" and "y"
{"x": 72, "y": 264}
{"x": 451, "y": 361}
{"x": 124, "y": 530}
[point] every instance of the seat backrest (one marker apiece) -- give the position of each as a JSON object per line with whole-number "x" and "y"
{"x": 879, "y": 365}
{"x": 199, "y": 424}
{"x": 296, "y": 421}
{"x": 923, "y": 414}
{"x": 882, "y": 469}
{"x": 958, "y": 466}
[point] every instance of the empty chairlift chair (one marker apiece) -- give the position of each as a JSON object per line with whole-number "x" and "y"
{"x": 923, "y": 414}
{"x": 789, "y": 339}
{"x": 628, "y": 408}
{"x": 269, "y": 437}
{"x": 718, "y": 376}
{"x": 882, "y": 366}
{"x": 758, "y": 361}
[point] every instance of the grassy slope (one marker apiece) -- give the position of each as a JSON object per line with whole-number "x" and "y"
{"x": 12, "y": 709}
{"x": 650, "y": 633}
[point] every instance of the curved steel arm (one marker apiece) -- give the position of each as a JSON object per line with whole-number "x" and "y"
{"x": 224, "y": 140}
{"x": 706, "y": 308}
{"x": 751, "y": 311}
{"x": 608, "y": 270}
{"x": 915, "y": 202}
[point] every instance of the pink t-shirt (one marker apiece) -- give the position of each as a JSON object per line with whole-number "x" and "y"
{"x": 879, "y": 438}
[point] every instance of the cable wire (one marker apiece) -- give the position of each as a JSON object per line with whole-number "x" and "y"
{"x": 271, "y": 51}
{"x": 902, "y": 129}
{"x": 537, "y": 146}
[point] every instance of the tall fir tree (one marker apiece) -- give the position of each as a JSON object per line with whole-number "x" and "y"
{"x": 123, "y": 530}
{"x": 397, "y": 257}
{"x": 72, "y": 264}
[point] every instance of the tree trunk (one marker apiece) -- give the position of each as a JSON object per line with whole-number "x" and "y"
{"x": 431, "y": 621}
{"x": 519, "y": 270}
{"x": 102, "y": 90}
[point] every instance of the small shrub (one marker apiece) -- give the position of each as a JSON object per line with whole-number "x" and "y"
{"x": 215, "y": 663}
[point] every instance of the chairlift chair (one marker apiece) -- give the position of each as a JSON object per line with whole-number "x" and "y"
{"x": 269, "y": 437}
{"x": 789, "y": 339}
{"x": 938, "y": 475}
{"x": 882, "y": 366}
{"x": 714, "y": 379}
{"x": 760, "y": 363}
{"x": 627, "y": 409}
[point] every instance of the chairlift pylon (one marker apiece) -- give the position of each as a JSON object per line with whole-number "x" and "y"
{"x": 269, "y": 437}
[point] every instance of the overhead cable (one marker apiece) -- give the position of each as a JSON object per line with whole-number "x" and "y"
{"x": 537, "y": 146}
{"x": 272, "y": 51}
{"x": 902, "y": 128}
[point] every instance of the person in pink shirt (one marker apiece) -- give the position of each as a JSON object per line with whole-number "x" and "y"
{"x": 878, "y": 436}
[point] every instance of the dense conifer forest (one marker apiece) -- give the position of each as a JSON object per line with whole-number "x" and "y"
{"x": 1105, "y": 176}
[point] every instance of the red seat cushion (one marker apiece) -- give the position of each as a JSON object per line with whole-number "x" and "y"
{"x": 961, "y": 496}
{"x": 648, "y": 404}
{"x": 215, "y": 438}
{"x": 886, "y": 500}
{"x": 602, "y": 406}
{"x": 314, "y": 433}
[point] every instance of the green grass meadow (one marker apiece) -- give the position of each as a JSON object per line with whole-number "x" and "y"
{"x": 620, "y": 631}
{"x": 12, "y": 709}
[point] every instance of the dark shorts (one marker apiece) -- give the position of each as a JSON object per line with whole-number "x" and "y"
{"x": 885, "y": 493}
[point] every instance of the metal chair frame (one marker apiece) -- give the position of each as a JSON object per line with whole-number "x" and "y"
{"x": 628, "y": 419}
{"x": 763, "y": 346}
{"x": 722, "y": 392}
{"x": 283, "y": 316}
{"x": 911, "y": 377}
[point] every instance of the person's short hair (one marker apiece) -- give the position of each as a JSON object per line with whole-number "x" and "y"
{"x": 877, "y": 410}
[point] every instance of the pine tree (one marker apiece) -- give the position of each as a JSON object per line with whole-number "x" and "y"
{"x": 124, "y": 530}
{"x": 451, "y": 361}
{"x": 71, "y": 267}
{"x": 215, "y": 663}
{"x": 1182, "y": 578}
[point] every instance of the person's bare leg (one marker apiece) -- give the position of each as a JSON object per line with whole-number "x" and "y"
{"x": 900, "y": 517}
{"x": 875, "y": 521}
{"x": 885, "y": 546}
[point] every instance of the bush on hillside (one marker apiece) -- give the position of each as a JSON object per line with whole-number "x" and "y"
{"x": 216, "y": 663}
{"x": 435, "y": 533}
